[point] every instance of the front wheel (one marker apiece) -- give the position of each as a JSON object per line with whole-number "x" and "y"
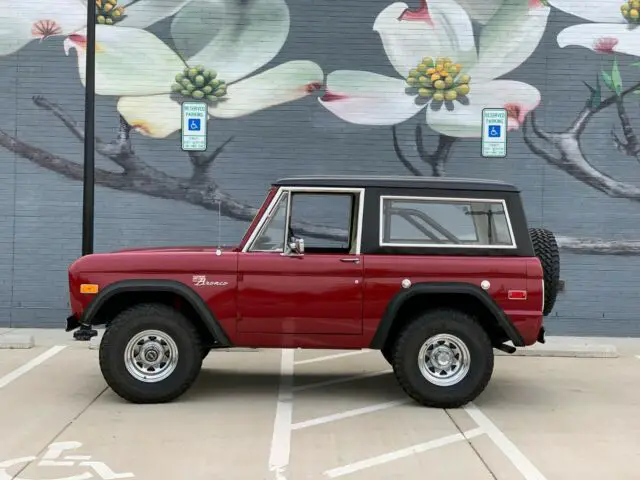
{"x": 443, "y": 359}
{"x": 150, "y": 353}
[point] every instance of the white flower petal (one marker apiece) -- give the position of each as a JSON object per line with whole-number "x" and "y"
{"x": 24, "y": 21}
{"x": 604, "y": 11}
{"x": 142, "y": 13}
{"x": 254, "y": 31}
{"x": 14, "y": 35}
{"x": 460, "y": 120}
{"x": 129, "y": 61}
{"x": 602, "y": 38}
{"x": 62, "y": 18}
{"x": 367, "y": 98}
{"x": 440, "y": 28}
{"x": 155, "y": 116}
{"x": 284, "y": 83}
{"x": 197, "y": 24}
{"x": 480, "y": 11}
{"x": 510, "y": 37}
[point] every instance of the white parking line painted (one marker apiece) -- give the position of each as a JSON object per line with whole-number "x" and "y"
{"x": 281, "y": 439}
{"x": 331, "y": 357}
{"x": 402, "y": 453}
{"x": 31, "y": 364}
{"x": 522, "y": 463}
{"x": 348, "y": 414}
{"x": 336, "y": 381}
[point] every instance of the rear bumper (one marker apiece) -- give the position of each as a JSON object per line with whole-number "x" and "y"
{"x": 541, "y": 333}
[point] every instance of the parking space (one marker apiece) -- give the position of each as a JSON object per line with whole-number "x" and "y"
{"x": 292, "y": 415}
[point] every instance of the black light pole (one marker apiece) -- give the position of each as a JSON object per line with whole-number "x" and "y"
{"x": 85, "y": 332}
{"x": 88, "y": 184}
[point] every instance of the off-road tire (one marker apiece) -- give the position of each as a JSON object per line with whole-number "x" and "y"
{"x": 417, "y": 332}
{"x": 124, "y": 327}
{"x": 546, "y": 249}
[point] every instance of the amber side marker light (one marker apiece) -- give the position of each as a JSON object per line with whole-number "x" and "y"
{"x": 89, "y": 288}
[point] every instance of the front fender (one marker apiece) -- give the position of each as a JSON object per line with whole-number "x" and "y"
{"x": 168, "y": 286}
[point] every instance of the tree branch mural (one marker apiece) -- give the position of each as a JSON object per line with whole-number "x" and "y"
{"x": 458, "y": 77}
{"x": 139, "y": 177}
{"x": 447, "y": 89}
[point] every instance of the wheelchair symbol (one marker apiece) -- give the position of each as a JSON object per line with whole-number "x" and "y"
{"x": 49, "y": 459}
{"x": 194, "y": 124}
{"x": 494, "y": 131}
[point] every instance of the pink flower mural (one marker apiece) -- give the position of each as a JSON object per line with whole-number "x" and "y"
{"x": 441, "y": 70}
{"x": 614, "y": 27}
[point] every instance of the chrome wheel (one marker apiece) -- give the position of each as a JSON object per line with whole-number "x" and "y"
{"x": 444, "y": 360}
{"x": 151, "y": 356}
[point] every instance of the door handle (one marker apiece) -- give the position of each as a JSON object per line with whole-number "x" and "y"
{"x": 350, "y": 259}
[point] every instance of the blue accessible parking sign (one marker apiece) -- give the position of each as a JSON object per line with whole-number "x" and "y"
{"x": 194, "y": 126}
{"x": 494, "y": 131}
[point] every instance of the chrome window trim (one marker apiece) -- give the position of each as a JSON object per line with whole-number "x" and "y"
{"x": 454, "y": 200}
{"x": 360, "y": 192}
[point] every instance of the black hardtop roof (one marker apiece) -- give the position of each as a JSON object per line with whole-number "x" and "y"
{"x": 358, "y": 181}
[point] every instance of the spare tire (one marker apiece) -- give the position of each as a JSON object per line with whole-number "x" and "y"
{"x": 546, "y": 249}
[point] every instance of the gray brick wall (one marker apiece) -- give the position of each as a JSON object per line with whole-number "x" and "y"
{"x": 40, "y": 218}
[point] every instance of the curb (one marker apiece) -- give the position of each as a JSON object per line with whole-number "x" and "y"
{"x": 565, "y": 350}
{"x": 9, "y": 341}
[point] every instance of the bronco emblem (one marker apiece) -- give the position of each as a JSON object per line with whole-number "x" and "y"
{"x": 201, "y": 281}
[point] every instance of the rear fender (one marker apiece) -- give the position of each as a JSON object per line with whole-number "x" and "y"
{"x": 386, "y": 323}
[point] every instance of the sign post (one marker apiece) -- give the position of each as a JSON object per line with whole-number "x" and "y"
{"x": 194, "y": 126}
{"x": 494, "y": 132}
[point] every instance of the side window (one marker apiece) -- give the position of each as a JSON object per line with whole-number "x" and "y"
{"x": 271, "y": 236}
{"x": 427, "y": 221}
{"x": 336, "y": 211}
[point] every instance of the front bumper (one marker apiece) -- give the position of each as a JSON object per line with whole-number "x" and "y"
{"x": 72, "y": 323}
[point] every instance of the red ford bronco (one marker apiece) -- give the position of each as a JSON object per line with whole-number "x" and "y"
{"x": 435, "y": 273}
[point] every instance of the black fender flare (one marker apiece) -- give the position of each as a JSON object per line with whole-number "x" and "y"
{"x": 435, "y": 288}
{"x": 170, "y": 286}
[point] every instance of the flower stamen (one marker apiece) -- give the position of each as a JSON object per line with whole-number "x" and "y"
{"x": 631, "y": 11}
{"x": 200, "y": 84}
{"x": 108, "y": 12}
{"x": 439, "y": 79}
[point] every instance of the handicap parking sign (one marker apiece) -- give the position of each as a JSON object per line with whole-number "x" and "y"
{"x": 494, "y": 132}
{"x": 194, "y": 126}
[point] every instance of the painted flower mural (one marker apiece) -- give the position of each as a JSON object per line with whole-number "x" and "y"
{"x": 614, "y": 28}
{"x": 439, "y": 68}
{"x": 152, "y": 79}
{"x": 24, "y": 21}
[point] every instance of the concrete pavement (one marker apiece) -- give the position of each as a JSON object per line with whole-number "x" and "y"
{"x": 331, "y": 415}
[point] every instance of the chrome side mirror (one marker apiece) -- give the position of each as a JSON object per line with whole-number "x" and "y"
{"x": 297, "y": 246}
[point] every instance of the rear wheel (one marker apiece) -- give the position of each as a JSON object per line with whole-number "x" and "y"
{"x": 150, "y": 353}
{"x": 546, "y": 249}
{"x": 443, "y": 359}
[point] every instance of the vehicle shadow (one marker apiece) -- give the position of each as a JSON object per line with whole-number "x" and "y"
{"x": 220, "y": 383}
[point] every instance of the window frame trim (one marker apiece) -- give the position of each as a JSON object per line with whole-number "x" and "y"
{"x": 453, "y": 200}
{"x": 359, "y": 192}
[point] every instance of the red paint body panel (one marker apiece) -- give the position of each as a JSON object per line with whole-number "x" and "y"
{"x": 383, "y": 274}
{"x": 176, "y": 263}
{"x": 316, "y": 293}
